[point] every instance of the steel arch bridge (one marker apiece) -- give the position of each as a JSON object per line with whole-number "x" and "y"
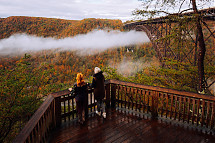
{"x": 185, "y": 47}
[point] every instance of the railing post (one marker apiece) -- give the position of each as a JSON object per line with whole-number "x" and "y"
{"x": 86, "y": 103}
{"x": 107, "y": 89}
{"x": 154, "y": 105}
{"x": 58, "y": 110}
{"x": 113, "y": 96}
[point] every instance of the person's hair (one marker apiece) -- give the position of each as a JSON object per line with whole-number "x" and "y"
{"x": 97, "y": 70}
{"x": 80, "y": 79}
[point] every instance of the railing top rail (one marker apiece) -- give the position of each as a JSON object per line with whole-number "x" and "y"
{"x": 24, "y": 134}
{"x": 161, "y": 89}
{"x": 60, "y": 93}
{"x": 64, "y": 92}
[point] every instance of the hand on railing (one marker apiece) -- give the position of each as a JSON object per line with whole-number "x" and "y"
{"x": 89, "y": 85}
{"x": 71, "y": 90}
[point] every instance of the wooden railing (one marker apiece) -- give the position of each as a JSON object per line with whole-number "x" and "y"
{"x": 192, "y": 108}
{"x": 58, "y": 108}
{"x": 37, "y": 128}
{"x": 186, "y": 107}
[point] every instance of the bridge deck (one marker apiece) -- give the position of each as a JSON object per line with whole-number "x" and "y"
{"x": 122, "y": 127}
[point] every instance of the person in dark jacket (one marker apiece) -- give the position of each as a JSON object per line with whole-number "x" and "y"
{"x": 80, "y": 91}
{"x": 99, "y": 91}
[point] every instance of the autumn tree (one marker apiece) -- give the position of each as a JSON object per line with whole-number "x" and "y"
{"x": 21, "y": 89}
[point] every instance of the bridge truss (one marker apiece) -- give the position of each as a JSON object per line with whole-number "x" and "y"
{"x": 176, "y": 38}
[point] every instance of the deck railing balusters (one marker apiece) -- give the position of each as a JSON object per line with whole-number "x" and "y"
{"x": 64, "y": 108}
{"x": 108, "y": 94}
{"x": 188, "y": 110}
{"x": 167, "y": 105}
{"x": 187, "y": 107}
{"x": 176, "y": 106}
{"x": 118, "y": 91}
{"x": 113, "y": 96}
{"x": 198, "y": 110}
{"x": 73, "y": 110}
{"x": 154, "y": 104}
{"x": 94, "y": 100}
{"x": 179, "y": 107}
{"x": 184, "y": 108}
{"x": 203, "y": 113}
{"x": 33, "y": 135}
{"x": 141, "y": 104}
{"x": 212, "y": 115}
{"x": 193, "y": 110}
{"x": 139, "y": 99}
{"x": 68, "y": 102}
{"x": 91, "y": 102}
{"x": 136, "y": 90}
{"x": 121, "y": 95}
{"x": 146, "y": 101}
{"x": 171, "y": 107}
{"x": 162, "y": 104}
{"x": 208, "y": 113}
{"x": 126, "y": 97}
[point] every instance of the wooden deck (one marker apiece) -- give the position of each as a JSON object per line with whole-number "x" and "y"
{"x": 123, "y": 127}
{"x": 182, "y": 117}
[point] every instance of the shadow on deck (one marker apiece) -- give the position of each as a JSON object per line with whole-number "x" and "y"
{"x": 124, "y": 127}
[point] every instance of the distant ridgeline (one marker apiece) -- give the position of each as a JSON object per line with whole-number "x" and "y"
{"x": 51, "y": 27}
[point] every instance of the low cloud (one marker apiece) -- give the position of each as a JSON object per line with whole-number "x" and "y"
{"x": 95, "y": 41}
{"x": 128, "y": 67}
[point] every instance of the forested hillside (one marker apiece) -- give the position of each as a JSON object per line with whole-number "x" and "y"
{"x": 50, "y": 27}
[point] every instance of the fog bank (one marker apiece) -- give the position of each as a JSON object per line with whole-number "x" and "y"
{"x": 96, "y": 41}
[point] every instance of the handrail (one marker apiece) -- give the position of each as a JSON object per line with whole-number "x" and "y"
{"x": 33, "y": 122}
{"x": 60, "y": 93}
{"x": 186, "y": 107}
{"x": 161, "y": 89}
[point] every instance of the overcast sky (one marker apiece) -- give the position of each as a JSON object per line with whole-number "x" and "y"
{"x": 71, "y": 9}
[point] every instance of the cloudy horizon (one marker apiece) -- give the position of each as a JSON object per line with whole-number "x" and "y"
{"x": 70, "y": 9}
{"x": 74, "y": 9}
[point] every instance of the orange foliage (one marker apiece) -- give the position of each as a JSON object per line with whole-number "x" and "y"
{"x": 51, "y": 27}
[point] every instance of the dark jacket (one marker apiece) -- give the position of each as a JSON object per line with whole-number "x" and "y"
{"x": 80, "y": 92}
{"x": 98, "y": 85}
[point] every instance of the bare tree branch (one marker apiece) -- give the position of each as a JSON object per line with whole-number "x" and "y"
{"x": 181, "y": 6}
{"x": 185, "y": 10}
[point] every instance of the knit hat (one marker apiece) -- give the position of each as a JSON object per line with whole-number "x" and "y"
{"x": 97, "y": 70}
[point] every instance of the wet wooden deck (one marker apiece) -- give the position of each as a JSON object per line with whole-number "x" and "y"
{"x": 121, "y": 127}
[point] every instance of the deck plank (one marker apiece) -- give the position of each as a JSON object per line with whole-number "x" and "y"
{"x": 121, "y": 127}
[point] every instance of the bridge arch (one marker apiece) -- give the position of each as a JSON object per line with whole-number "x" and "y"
{"x": 152, "y": 38}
